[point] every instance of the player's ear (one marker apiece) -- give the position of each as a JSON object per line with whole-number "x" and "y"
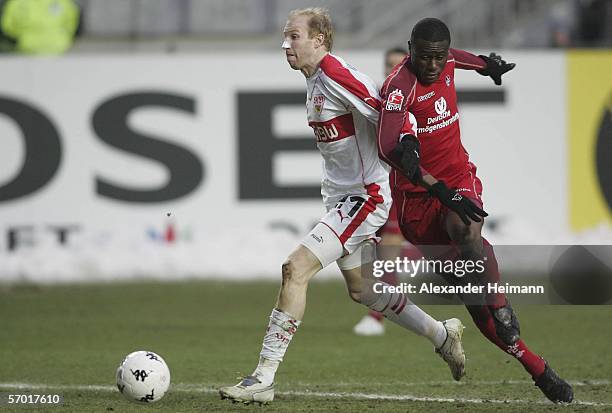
{"x": 319, "y": 40}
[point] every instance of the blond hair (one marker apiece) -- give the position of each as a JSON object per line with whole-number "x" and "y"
{"x": 319, "y": 22}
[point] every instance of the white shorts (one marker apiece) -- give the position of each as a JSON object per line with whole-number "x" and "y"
{"x": 350, "y": 221}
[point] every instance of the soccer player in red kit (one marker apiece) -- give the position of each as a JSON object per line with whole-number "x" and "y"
{"x": 448, "y": 212}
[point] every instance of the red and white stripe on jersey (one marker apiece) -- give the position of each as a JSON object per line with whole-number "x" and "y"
{"x": 342, "y": 108}
{"x": 396, "y": 70}
{"x": 334, "y": 129}
{"x": 408, "y": 119}
{"x": 466, "y": 60}
{"x": 345, "y": 76}
{"x": 410, "y": 125}
{"x": 369, "y": 206}
{"x": 343, "y": 221}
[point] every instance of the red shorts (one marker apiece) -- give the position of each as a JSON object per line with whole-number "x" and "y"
{"x": 392, "y": 224}
{"x": 422, "y": 217}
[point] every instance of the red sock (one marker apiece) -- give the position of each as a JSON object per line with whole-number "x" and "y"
{"x": 533, "y": 363}
{"x": 375, "y": 314}
{"x": 483, "y": 319}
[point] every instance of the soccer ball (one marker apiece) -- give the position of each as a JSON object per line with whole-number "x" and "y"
{"x": 143, "y": 377}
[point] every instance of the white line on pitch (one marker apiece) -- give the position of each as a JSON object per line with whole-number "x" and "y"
{"x": 464, "y": 382}
{"x": 196, "y": 388}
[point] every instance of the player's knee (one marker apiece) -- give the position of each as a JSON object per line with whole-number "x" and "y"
{"x": 466, "y": 236}
{"x": 391, "y": 240}
{"x": 288, "y": 270}
{"x": 458, "y": 233}
{"x": 291, "y": 273}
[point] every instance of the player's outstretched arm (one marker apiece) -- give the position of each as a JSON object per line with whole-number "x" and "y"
{"x": 466, "y": 60}
{"x": 495, "y": 67}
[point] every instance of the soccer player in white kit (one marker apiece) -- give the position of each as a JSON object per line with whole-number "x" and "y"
{"x": 342, "y": 106}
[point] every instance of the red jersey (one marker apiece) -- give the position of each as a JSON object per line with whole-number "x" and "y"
{"x": 435, "y": 109}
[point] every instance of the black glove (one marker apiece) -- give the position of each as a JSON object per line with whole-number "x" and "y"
{"x": 464, "y": 207}
{"x": 408, "y": 150}
{"x": 496, "y": 67}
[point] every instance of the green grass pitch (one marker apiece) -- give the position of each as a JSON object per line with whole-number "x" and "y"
{"x": 70, "y": 340}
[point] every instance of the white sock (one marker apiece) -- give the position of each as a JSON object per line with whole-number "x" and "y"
{"x": 400, "y": 310}
{"x": 280, "y": 331}
{"x": 266, "y": 370}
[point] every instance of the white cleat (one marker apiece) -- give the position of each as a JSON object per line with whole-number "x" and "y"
{"x": 452, "y": 349}
{"x": 369, "y": 326}
{"x": 249, "y": 390}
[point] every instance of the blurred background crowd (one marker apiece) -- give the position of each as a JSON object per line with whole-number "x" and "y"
{"x": 55, "y": 26}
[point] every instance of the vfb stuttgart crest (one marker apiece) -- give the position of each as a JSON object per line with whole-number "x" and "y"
{"x": 440, "y": 106}
{"x": 395, "y": 100}
{"x": 318, "y": 102}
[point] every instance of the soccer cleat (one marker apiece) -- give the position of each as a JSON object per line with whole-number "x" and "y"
{"x": 369, "y": 326}
{"x": 451, "y": 350}
{"x": 554, "y": 387}
{"x": 249, "y": 390}
{"x": 506, "y": 324}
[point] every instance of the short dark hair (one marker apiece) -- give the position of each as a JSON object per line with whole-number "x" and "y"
{"x": 394, "y": 50}
{"x": 431, "y": 30}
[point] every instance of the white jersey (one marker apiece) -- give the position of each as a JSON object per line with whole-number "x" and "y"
{"x": 343, "y": 108}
